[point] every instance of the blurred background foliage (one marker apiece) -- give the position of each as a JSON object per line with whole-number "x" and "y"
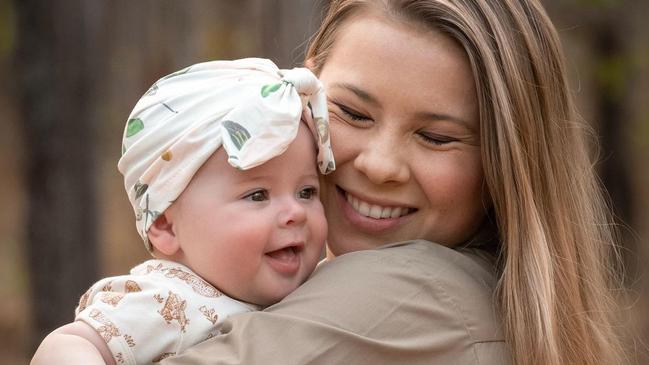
{"x": 71, "y": 71}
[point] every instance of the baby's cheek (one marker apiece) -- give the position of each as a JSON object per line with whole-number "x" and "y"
{"x": 318, "y": 224}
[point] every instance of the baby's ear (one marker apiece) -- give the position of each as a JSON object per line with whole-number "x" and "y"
{"x": 162, "y": 236}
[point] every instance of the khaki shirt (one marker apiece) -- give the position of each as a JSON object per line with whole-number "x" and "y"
{"x": 406, "y": 303}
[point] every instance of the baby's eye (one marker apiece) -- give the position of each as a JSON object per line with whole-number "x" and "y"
{"x": 308, "y": 193}
{"x": 257, "y": 195}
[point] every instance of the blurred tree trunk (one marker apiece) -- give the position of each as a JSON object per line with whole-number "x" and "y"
{"x": 604, "y": 29}
{"x": 611, "y": 100}
{"x": 56, "y": 73}
{"x": 285, "y": 27}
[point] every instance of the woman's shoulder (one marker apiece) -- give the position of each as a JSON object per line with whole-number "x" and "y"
{"x": 406, "y": 303}
{"x": 430, "y": 259}
{"x": 426, "y": 284}
{"x": 464, "y": 272}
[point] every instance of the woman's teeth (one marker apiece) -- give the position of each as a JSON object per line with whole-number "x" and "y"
{"x": 375, "y": 211}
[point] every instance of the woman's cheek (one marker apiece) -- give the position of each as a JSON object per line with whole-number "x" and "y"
{"x": 343, "y": 138}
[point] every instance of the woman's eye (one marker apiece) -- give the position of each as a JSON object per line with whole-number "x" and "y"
{"x": 257, "y": 196}
{"x": 351, "y": 113}
{"x": 307, "y": 193}
{"x": 435, "y": 139}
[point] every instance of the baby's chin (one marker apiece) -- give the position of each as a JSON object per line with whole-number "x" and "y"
{"x": 266, "y": 300}
{"x": 270, "y": 297}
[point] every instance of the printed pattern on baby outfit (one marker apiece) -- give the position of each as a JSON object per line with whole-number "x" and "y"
{"x": 157, "y": 311}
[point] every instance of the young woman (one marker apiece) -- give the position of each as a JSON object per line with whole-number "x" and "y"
{"x": 451, "y": 122}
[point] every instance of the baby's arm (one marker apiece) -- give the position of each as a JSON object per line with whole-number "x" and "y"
{"x": 74, "y": 343}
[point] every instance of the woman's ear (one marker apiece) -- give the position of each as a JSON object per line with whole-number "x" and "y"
{"x": 163, "y": 237}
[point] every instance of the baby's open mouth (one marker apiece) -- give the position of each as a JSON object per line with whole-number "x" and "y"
{"x": 286, "y": 260}
{"x": 286, "y": 253}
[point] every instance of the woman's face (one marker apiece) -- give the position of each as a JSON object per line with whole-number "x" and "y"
{"x": 405, "y": 134}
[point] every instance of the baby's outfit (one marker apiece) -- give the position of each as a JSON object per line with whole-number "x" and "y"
{"x": 250, "y": 108}
{"x": 157, "y": 311}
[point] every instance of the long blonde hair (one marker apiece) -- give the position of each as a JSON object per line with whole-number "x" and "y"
{"x": 557, "y": 247}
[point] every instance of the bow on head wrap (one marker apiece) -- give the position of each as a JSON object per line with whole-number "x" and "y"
{"x": 248, "y": 106}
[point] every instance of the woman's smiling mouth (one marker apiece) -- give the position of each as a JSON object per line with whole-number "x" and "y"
{"x": 372, "y": 217}
{"x": 374, "y": 210}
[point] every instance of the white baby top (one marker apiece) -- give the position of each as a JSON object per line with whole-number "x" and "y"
{"x": 157, "y": 311}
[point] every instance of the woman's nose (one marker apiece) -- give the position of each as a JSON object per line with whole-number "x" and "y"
{"x": 382, "y": 161}
{"x": 292, "y": 213}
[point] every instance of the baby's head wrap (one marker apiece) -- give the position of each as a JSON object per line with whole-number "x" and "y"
{"x": 249, "y": 106}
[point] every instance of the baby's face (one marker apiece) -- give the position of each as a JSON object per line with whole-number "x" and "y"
{"x": 255, "y": 234}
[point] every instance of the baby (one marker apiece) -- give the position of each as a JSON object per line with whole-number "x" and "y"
{"x": 231, "y": 229}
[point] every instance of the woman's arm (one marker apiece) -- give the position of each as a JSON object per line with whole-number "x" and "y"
{"x": 414, "y": 303}
{"x": 74, "y": 343}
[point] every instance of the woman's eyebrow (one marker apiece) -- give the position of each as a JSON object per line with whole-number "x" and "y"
{"x": 440, "y": 116}
{"x": 362, "y": 94}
